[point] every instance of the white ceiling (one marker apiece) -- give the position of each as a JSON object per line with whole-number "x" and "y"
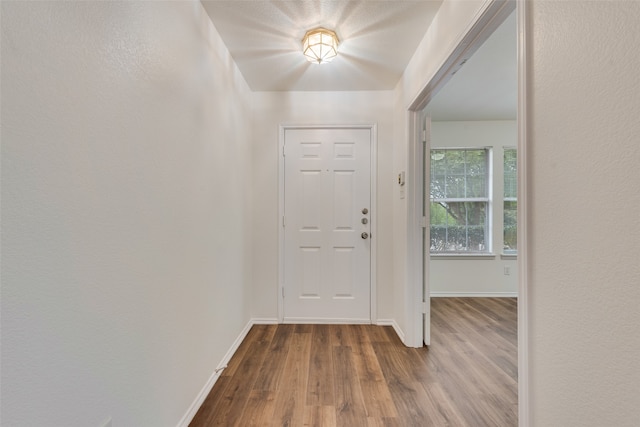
{"x": 486, "y": 87}
{"x": 377, "y": 39}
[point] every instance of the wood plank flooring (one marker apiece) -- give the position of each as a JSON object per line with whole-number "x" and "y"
{"x": 362, "y": 375}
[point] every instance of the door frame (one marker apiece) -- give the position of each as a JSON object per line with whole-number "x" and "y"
{"x": 372, "y": 219}
{"x": 493, "y": 14}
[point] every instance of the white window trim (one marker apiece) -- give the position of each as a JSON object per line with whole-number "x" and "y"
{"x": 488, "y": 233}
{"x": 453, "y": 256}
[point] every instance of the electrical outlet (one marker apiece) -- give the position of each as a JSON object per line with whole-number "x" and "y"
{"x": 507, "y": 270}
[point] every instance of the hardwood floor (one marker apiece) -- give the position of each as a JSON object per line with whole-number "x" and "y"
{"x": 362, "y": 375}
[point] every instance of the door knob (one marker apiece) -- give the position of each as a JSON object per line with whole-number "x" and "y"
{"x": 365, "y": 211}
{"x": 365, "y": 220}
{"x": 365, "y": 235}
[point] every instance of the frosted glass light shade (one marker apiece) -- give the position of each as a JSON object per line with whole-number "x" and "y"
{"x": 320, "y": 45}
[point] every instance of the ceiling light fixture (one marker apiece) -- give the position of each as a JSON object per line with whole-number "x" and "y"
{"x": 320, "y": 45}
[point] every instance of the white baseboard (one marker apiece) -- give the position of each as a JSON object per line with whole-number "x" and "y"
{"x": 399, "y": 331}
{"x": 475, "y": 294}
{"x": 394, "y": 324}
{"x": 193, "y": 409}
{"x": 264, "y": 321}
{"x": 309, "y": 320}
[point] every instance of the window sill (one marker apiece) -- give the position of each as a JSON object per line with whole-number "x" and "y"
{"x": 509, "y": 256}
{"x": 453, "y": 257}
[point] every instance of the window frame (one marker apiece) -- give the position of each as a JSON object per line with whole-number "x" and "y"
{"x": 487, "y": 252}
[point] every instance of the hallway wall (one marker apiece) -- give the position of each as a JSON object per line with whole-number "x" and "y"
{"x": 583, "y": 204}
{"x": 126, "y": 197}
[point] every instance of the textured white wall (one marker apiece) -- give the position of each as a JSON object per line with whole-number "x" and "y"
{"x": 584, "y": 274}
{"x": 126, "y": 225}
{"x": 399, "y": 206}
{"x": 449, "y": 276}
{"x": 274, "y": 108}
{"x": 303, "y": 108}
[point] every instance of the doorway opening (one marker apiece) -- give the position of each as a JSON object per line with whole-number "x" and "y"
{"x": 464, "y": 124}
{"x": 470, "y": 174}
{"x": 418, "y": 216}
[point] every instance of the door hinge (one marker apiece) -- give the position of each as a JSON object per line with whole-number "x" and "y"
{"x": 423, "y": 222}
{"x": 424, "y": 135}
{"x": 283, "y": 292}
{"x": 425, "y": 308}
{"x": 283, "y": 220}
{"x": 283, "y": 155}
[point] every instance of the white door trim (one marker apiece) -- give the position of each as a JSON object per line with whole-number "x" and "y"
{"x": 524, "y": 416}
{"x": 373, "y": 214}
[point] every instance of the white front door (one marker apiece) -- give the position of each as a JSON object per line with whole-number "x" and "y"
{"x": 327, "y": 225}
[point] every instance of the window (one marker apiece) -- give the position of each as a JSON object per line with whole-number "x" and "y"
{"x": 459, "y": 201}
{"x": 510, "y": 200}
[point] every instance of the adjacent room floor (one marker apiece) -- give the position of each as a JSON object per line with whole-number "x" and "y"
{"x": 362, "y": 375}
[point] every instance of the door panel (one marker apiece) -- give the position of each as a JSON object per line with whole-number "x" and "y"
{"x": 326, "y": 260}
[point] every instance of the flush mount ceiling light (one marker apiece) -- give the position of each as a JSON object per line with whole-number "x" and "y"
{"x": 320, "y": 45}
